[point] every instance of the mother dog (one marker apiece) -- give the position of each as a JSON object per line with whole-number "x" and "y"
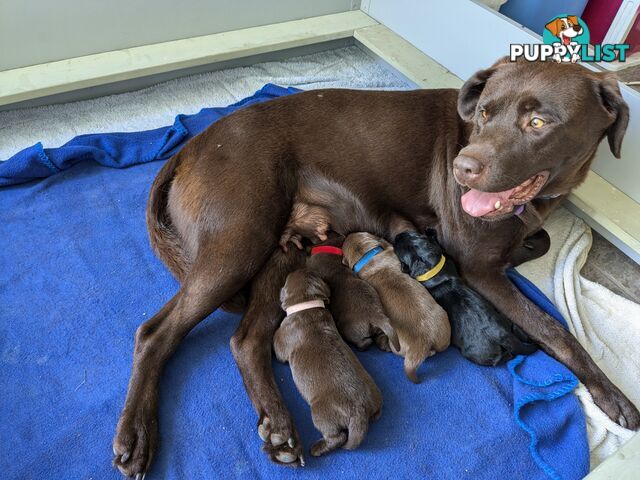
{"x": 526, "y": 132}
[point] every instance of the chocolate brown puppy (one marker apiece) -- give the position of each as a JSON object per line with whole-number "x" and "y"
{"x": 355, "y": 305}
{"x": 422, "y": 325}
{"x": 342, "y": 395}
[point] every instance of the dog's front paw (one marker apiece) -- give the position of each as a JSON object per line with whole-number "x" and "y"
{"x": 281, "y": 440}
{"x": 135, "y": 441}
{"x": 617, "y": 407}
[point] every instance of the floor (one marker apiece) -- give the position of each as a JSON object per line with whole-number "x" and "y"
{"x": 613, "y": 269}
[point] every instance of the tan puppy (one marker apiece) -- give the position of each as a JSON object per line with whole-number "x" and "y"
{"x": 422, "y": 325}
{"x": 342, "y": 395}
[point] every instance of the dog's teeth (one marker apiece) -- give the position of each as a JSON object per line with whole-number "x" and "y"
{"x": 497, "y": 205}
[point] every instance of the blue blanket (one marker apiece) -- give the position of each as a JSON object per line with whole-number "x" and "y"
{"x": 77, "y": 277}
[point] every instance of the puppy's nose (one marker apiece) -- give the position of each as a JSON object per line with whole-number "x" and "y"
{"x": 577, "y": 28}
{"x": 466, "y": 168}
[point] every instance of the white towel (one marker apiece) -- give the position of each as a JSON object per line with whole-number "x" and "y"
{"x": 605, "y": 324}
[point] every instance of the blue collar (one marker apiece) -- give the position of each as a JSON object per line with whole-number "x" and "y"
{"x": 366, "y": 258}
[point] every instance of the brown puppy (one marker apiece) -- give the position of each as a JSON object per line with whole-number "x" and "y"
{"x": 342, "y": 395}
{"x": 355, "y": 305}
{"x": 422, "y": 325}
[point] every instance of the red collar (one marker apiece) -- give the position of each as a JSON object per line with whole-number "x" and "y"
{"x": 326, "y": 249}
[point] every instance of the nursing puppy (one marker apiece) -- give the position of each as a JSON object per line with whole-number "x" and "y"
{"x": 341, "y": 394}
{"x": 421, "y": 324}
{"x": 355, "y": 305}
{"x": 482, "y": 334}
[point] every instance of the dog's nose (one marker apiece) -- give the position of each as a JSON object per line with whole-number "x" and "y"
{"x": 577, "y": 28}
{"x": 466, "y": 168}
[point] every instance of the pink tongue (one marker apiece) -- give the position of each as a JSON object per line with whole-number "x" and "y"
{"x": 477, "y": 203}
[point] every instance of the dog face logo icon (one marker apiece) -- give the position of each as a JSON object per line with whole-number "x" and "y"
{"x": 566, "y": 39}
{"x": 568, "y": 30}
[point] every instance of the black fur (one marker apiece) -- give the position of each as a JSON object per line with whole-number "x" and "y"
{"x": 482, "y": 334}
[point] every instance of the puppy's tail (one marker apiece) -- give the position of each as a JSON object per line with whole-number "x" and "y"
{"x": 165, "y": 241}
{"x": 411, "y": 365}
{"x": 358, "y": 427}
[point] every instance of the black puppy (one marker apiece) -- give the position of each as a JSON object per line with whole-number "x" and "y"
{"x": 482, "y": 334}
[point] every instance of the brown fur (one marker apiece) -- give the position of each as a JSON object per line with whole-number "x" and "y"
{"x": 227, "y": 196}
{"x": 422, "y": 325}
{"x": 355, "y": 305}
{"x": 342, "y": 395}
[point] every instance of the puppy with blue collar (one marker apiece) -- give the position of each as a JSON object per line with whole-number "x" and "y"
{"x": 342, "y": 395}
{"x": 421, "y": 324}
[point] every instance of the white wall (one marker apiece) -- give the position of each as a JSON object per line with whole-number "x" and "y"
{"x": 39, "y": 31}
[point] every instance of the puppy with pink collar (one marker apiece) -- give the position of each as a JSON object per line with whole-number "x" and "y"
{"x": 342, "y": 395}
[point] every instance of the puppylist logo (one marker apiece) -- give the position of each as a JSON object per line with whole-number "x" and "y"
{"x": 566, "y": 39}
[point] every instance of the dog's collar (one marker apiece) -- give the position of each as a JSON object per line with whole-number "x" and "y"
{"x": 366, "y": 258}
{"x": 298, "y": 307}
{"x": 326, "y": 249}
{"x": 429, "y": 274}
{"x": 518, "y": 211}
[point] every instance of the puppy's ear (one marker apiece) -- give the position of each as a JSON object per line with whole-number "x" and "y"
{"x": 617, "y": 109}
{"x": 554, "y": 26}
{"x": 283, "y": 294}
{"x": 573, "y": 19}
{"x": 318, "y": 288}
{"x": 472, "y": 89}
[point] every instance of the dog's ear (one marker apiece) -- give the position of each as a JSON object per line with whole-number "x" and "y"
{"x": 318, "y": 288}
{"x": 472, "y": 89}
{"x": 617, "y": 109}
{"x": 573, "y": 19}
{"x": 554, "y": 26}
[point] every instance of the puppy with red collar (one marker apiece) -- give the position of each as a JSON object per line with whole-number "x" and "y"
{"x": 342, "y": 395}
{"x": 355, "y": 305}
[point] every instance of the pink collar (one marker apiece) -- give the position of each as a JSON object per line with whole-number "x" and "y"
{"x": 298, "y": 307}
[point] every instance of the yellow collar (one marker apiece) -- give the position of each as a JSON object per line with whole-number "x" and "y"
{"x": 429, "y": 274}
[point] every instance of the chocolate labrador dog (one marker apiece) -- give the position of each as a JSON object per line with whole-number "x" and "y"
{"x": 484, "y": 166}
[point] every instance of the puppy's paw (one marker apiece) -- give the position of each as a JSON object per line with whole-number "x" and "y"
{"x": 289, "y": 237}
{"x": 382, "y": 342}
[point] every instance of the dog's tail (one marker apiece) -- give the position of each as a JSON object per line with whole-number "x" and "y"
{"x": 165, "y": 241}
{"x": 358, "y": 427}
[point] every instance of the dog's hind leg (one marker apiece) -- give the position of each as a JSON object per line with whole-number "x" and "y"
{"x": 213, "y": 278}
{"x": 251, "y": 346}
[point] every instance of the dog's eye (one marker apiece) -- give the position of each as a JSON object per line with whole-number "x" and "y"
{"x": 537, "y": 122}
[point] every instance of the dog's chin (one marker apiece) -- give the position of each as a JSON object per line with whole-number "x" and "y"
{"x": 496, "y": 205}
